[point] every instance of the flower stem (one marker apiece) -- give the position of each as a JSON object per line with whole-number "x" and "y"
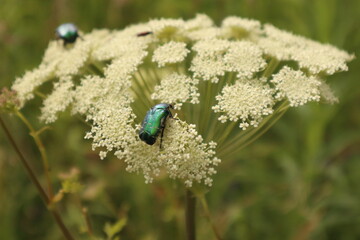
{"x": 96, "y": 70}
{"x": 40, "y": 145}
{"x": 270, "y": 68}
{"x": 32, "y": 176}
{"x": 208, "y": 216}
{"x": 244, "y": 139}
{"x": 190, "y": 215}
{"x": 37, "y": 184}
{"x": 86, "y": 217}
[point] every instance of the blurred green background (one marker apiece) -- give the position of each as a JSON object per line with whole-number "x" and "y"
{"x": 301, "y": 180}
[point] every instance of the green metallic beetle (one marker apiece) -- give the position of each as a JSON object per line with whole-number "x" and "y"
{"x": 154, "y": 123}
{"x": 68, "y": 32}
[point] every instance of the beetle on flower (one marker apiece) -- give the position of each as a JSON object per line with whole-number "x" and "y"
{"x": 68, "y": 32}
{"x": 154, "y": 123}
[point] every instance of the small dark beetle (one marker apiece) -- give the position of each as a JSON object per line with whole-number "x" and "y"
{"x": 68, "y": 32}
{"x": 154, "y": 123}
{"x": 142, "y": 34}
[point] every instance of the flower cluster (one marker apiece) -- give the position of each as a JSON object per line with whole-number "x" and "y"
{"x": 171, "y": 52}
{"x": 311, "y": 56}
{"x": 241, "y": 73}
{"x": 185, "y": 156}
{"x": 245, "y": 100}
{"x": 181, "y": 87}
{"x": 290, "y": 83}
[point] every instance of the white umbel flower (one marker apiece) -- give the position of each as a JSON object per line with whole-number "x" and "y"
{"x": 171, "y": 52}
{"x": 240, "y": 28}
{"x": 296, "y": 87}
{"x": 167, "y": 29}
{"x": 58, "y": 100}
{"x": 278, "y": 43}
{"x": 311, "y": 55}
{"x": 244, "y": 58}
{"x": 201, "y": 21}
{"x": 209, "y": 63}
{"x": 218, "y": 78}
{"x": 26, "y": 85}
{"x": 91, "y": 89}
{"x": 181, "y": 88}
{"x": 321, "y": 58}
{"x": 327, "y": 93}
{"x": 247, "y": 101}
{"x": 122, "y": 67}
{"x": 120, "y": 45}
{"x": 185, "y": 156}
{"x": 111, "y": 118}
{"x": 201, "y": 27}
{"x": 204, "y": 33}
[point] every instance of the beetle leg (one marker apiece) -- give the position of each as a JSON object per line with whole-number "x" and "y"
{"x": 161, "y": 137}
{"x": 163, "y": 124}
{"x": 172, "y": 117}
{"x": 170, "y": 114}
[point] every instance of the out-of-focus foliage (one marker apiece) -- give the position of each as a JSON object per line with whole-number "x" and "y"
{"x": 299, "y": 181}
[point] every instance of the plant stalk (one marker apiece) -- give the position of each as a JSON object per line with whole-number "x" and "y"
{"x": 40, "y": 145}
{"x": 190, "y": 211}
{"x": 208, "y": 216}
{"x": 37, "y": 184}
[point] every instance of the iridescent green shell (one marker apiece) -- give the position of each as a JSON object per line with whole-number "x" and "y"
{"x": 154, "y": 122}
{"x": 67, "y": 32}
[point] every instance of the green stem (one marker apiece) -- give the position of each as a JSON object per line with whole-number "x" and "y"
{"x": 270, "y": 67}
{"x": 96, "y": 69}
{"x": 32, "y": 176}
{"x": 86, "y": 217}
{"x": 61, "y": 224}
{"x": 99, "y": 66}
{"x": 37, "y": 184}
{"x": 243, "y": 140}
{"x": 156, "y": 75}
{"x": 205, "y": 111}
{"x": 226, "y": 132}
{"x": 89, "y": 228}
{"x": 262, "y": 131}
{"x": 43, "y": 129}
{"x": 190, "y": 215}
{"x": 93, "y": 70}
{"x": 40, "y": 145}
{"x": 227, "y": 79}
{"x": 143, "y": 103}
{"x": 40, "y": 94}
{"x": 146, "y": 83}
{"x": 208, "y": 216}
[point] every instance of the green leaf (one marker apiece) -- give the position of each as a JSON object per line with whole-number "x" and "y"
{"x": 112, "y": 229}
{"x": 71, "y": 186}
